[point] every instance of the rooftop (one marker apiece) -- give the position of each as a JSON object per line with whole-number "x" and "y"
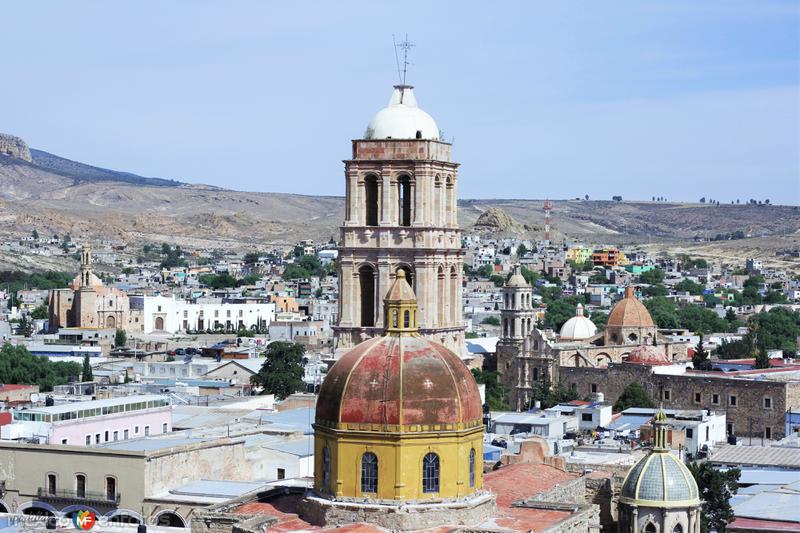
{"x": 756, "y": 456}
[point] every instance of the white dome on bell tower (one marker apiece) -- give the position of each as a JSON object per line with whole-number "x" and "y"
{"x": 402, "y": 119}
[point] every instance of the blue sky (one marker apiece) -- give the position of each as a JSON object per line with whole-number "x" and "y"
{"x": 542, "y": 99}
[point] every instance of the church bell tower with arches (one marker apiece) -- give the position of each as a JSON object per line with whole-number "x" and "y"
{"x": 400, "y": 214}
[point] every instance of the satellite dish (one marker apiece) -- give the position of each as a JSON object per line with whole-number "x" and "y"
{"x": 34, "y": 398}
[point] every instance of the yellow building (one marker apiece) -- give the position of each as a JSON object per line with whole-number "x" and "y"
{"x": 399, "y": 417}
{"x": 579, "y": 254}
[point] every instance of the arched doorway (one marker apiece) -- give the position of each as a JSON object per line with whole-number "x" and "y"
{"x": 111, "y": 322}
{"x": 159, "y": 323}
{"x": 169, "y": 519}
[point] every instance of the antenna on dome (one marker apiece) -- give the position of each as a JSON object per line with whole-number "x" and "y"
{"x": 405, "y": 46}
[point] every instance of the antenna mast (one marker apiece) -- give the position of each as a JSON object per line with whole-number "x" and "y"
{"x": 405, "y": 46}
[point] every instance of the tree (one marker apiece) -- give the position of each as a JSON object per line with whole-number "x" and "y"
{"x": 558, "y": 312}
{"x": 548, "y": 396}
{"x": 496, "y": 392}
{"x": 251, "y": 258}
{"x": 716, "y": 488}
{"x": 35, "y": 234}
{"x": 776, "y": 329}
{"x": 18, "y": 365}
{"x": 662, "y": 310}
{"x": 491, "y": 321}
{"x": 497, "y": 279}
{"x": 218, "y": 281}
{"x": 700, "y": 357}
{"x": 120, "y": 338}
{"x": 282, "y": 371}
{"x": 652, "y": 277}
{"x": 634, "y": 395}
{"x": 617, "y": 198}
{"x": 598, "y": 277}
{"x": 86, "y": 372}
{"x": 522, "y": 250}
{"x": 730, "y": 315}
{"x": 25, "y": 327}
{"x": 700, "y": 320}
{"x": 600, "y": 319}
{"x": 40, "y": 312}
{"x": 687, "y": 285}
{"x": 762, "y": 358}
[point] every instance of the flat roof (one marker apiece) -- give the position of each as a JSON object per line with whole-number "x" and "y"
{"x": 757, "y": 455}
{"x": 152, "y": 444}
{"x": 779, "y": 505}
{"x": 95, "y": 404}
{"x": 302, "y": 447}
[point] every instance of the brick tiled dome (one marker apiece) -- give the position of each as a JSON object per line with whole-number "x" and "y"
{"x": 630, "y": 312}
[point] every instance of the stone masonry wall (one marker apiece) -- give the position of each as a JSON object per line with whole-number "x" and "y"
{"x": 750, "y": 412}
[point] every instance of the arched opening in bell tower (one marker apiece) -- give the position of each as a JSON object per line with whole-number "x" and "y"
{"x": 404, "y": 197}
{"x": 371, "y": 200}
{"x": 366, "y": 278}
{"x": 442, "y": 296}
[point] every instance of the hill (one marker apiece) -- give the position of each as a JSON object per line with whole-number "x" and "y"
{"x": 57, "y": 195}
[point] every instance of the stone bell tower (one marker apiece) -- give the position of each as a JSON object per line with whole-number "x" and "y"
{"x": 400, "y": 214}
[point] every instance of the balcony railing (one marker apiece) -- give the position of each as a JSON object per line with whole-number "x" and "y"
{"x": 83, "y": 496}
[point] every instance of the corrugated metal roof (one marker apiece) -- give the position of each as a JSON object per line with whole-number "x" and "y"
{"x": 771, "y": 505}
{"x": 761, "y": 476}
{"x": 757, "y": 455}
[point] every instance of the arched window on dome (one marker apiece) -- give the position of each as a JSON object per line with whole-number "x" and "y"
{"x": 472, "y": 467}
{"x": 430, "y": 473}
{"x": 677, "y": 529}
{"x": 406, "y": 319}
{"x": 369, "y": 473}
{"x": 633, "y": 337}
{"x": 404, "y": 200}
{"x": 394, "y": 318}
{"x": 371, "y": 200}
{"x": 326, "y": 468}
{"x": 650, "y": 528}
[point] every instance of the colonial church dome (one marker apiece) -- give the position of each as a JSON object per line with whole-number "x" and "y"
{"x": 630, "y": 312}
{"x": 660, "y": 479}
{"x": 399, "y": 380}
{"x": 402, "y": 119}
{"x": 578, "y": 327}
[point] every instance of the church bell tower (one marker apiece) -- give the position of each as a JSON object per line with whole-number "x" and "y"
{"x": 400, "y": 214}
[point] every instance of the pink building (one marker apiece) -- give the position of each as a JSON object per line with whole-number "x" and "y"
{"x": 92, "y": 422}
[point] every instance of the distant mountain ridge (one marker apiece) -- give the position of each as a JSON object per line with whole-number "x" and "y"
{"x": 83, "y": 172}
{"x": 52, "y": 194}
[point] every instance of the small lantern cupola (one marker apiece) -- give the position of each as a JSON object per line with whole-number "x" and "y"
{"x": 400, "y": 307}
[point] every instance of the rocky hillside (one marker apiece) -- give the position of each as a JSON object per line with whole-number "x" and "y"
{"x": 14, "y": 147}
{"x": 56, "y": 195}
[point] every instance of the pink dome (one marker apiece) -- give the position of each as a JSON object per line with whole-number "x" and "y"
{"x": 648, "y": 355}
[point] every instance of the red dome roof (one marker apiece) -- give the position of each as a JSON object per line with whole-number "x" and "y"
{"x": 399, "y": 380}
{"x": 630, "y": 312}
{"x": 648, "y": 355}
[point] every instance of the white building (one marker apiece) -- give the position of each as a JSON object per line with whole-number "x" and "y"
{"x": 169, "y": 315}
